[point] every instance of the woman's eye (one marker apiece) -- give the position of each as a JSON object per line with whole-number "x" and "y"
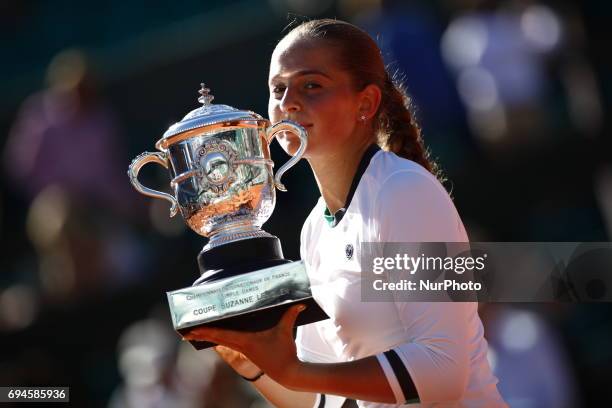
{"x": 278, "y": 90}
{"x": 311, "y": 85}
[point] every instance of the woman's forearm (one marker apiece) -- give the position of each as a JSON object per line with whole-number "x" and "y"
{"x": 282, "y": 397}
{"x": 360, "y": 380}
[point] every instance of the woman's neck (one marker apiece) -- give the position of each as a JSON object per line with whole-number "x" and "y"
{"x": 334, "y": 173}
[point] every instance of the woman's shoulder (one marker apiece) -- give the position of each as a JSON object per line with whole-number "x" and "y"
{"x": 391, "y": 178}
{"x": 408, "y": 200}
{"x": 317, "y": 210}
{"x": 314, "y": 218}
{"x": 387, "y": 166}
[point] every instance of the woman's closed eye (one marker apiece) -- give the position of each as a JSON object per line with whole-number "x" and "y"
{"x": 278, "y": 90}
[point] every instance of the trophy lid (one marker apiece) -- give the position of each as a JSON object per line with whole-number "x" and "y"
{"x": 206, "y": 115}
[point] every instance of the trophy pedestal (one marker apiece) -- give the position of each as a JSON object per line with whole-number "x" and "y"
{"x": 239, "y": 257}
{"x": 245, "y": 285}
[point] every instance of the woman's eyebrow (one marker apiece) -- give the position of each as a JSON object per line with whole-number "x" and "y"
{"x": 302, "y": 73}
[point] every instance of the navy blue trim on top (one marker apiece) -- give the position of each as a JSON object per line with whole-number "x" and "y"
{"x": 403, "y": 376}
{"x": 350, "y": 403}
{"x": 334, "y": 219}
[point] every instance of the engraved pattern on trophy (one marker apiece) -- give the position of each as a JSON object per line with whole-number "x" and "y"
{"x": 228, "y": 186}
{"x": 218, "y": 162}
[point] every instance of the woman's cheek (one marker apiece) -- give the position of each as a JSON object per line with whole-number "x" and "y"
{"x": 289, "y": 142}
{"x": 273, "y": 111}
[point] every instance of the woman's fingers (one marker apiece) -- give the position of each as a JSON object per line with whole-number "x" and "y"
{"x": 238, "y": 341}
{"x": 214, "y": 335}
{"x": 290, "y": 316}
{"x": 223, "y": 350}
{"x": 228, "y": 354}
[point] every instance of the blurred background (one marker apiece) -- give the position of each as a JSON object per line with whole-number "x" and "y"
{"x": 513, "y": 98}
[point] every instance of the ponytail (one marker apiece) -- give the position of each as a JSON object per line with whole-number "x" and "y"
{"x": 398, "y": 131}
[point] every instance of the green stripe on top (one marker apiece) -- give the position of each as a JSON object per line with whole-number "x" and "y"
{"x": 329, "y": 217}
{"x": 333, "y": 220}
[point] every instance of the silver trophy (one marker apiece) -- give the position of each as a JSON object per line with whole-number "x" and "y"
{"x": 223, "y": 184}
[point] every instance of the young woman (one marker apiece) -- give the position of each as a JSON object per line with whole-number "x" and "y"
{"x": 377, "y": 185}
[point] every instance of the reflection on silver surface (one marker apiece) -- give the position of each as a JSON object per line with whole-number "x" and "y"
{"x": 220, "y": 170}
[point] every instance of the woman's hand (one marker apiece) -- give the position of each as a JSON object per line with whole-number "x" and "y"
{"x": 238, "y": 361}
{"x": 272, "y": 350}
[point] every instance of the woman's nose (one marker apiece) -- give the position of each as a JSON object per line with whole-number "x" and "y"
{"x": 290, "y": 102}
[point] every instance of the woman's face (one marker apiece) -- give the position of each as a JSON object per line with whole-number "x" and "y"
{"x": 308, "y": 87}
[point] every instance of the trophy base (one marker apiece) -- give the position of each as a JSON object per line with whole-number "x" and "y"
{"x": 236, "y": 258}
{"x": 245, "y": 285}
{"x": 262, "y": 319}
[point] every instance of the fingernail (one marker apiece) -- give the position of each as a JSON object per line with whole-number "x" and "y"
{"x": 302, "y": 307}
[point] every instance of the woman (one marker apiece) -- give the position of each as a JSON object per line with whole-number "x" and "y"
{"x": 329, "y": 76}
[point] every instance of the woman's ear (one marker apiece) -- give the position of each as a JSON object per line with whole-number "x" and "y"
{"x": 370, "y": 98}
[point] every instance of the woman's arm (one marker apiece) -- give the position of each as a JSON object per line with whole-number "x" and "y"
{"x": 361, "y": 379}
{"x": 282, "y": 397}
{"x": 435, "y": 362}
{"x": 272, "y": 391}
{"x": 274, "y": 351}
{"x": 432, "y": 368}
{"x": 435, "y": 365}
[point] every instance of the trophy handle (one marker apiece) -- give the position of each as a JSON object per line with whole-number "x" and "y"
{"x": 293, "y": 127}
{"x": 134, "y": 169}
